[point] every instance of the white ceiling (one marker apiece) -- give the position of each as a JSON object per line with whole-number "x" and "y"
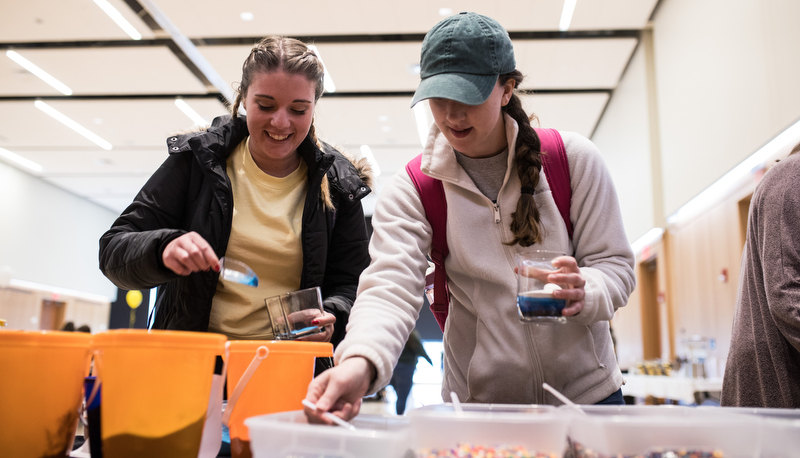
{"x": 124, "y": 90}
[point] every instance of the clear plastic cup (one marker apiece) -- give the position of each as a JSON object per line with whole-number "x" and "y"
{"x": 292, "y": 313}
{"x": 535, "y": 301}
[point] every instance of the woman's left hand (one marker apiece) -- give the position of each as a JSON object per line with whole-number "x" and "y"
{"x": 326, "y": 321}
{"x": 572, "y": 284}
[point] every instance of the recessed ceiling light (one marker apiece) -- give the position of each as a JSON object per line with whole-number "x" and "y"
{"x": 413, "y": 69}
{"x": 386, "y": 128}
{"x": 383, "y": 118}
{"x": 43, "y": 75}
{"x": 247, "y": 16}
{"x": 445, "y": 11}
{"x": 115, "y": 15}
{"x": 102, "y": 161}
{"x": 62, "y": 118}
{"x": 188, "y": 111}
{"x": 566, "y": 15}
{"x": 14, "y": 157}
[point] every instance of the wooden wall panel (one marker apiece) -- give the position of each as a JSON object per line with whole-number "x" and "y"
{"x": 22, "y": 309}
{"x": 18, "y": 307}
{"x": 628, "y": 332}
{"x": 701, "y": 250}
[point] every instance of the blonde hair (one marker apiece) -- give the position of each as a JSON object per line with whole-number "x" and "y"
{"x": 525, "y": 221}
{"x": 273, "y": 54}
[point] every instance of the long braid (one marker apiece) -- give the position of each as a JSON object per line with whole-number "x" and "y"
{"x": 526, "y": 223}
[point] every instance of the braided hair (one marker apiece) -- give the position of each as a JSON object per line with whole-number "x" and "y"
{"x": 525, "y": 223}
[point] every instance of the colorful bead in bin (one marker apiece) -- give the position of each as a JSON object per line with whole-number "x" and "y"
{"x": 479, "y": 451}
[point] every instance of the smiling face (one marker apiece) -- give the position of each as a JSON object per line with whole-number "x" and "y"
{"x": 280, "y": 108}
{"x": 474, "y": 130}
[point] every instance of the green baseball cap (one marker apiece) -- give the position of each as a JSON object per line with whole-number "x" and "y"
{"x": 462, "y": 56}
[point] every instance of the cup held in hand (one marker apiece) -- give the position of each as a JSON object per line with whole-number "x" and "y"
{"x": 535, "y": 301}
{"x": 292, "y": 313}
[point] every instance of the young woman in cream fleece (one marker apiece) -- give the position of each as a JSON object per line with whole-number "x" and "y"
{"x": 489, "y": 355}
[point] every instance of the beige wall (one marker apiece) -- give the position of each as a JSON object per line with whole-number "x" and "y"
{"x": 717, "y": 83}
{"x": 726, "y": 75}
{"x": 49, "y": 236}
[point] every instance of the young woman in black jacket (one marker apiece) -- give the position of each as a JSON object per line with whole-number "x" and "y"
{"x": 260, "y": 189}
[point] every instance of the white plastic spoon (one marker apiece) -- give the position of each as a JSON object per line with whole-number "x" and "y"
{"x": 329, "y": 415}
{"x": 563, "y": 398}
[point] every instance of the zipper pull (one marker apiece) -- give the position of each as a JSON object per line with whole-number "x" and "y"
{"x": 496, "y": 213}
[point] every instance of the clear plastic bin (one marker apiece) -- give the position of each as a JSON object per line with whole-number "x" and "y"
{"x": 289, "y": 435}
{"x": 780, "y": 431}
{"x": 540, "y": 430}
{"x": 655, "y": 431}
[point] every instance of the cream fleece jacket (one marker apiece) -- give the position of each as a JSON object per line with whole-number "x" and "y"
{"x": 490, "y": 356}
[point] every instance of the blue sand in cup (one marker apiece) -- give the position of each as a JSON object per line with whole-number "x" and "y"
{"x": 295, "y": 333}
{"x": 535, "y": 307}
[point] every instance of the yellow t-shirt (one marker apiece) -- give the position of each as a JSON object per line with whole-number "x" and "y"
{"x": 265, "y": 235}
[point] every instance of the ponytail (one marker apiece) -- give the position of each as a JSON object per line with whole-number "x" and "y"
{"x": 525, "y": 221}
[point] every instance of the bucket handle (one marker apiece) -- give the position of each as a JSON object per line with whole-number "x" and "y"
{"x": 261, "y": 353}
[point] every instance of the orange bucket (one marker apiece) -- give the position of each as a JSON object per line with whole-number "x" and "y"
{"x": 156, "y": 387}
{"x": 279, "y": 383}
{"x": 40, "y": 391}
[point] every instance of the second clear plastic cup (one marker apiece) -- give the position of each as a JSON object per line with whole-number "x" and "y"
{"x": 292, "y": 313}
{"x": 535, "y": 301}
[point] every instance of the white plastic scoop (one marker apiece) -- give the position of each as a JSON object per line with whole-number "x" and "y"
{"x": 329, "y": 416}
{"x": 563, "y": 398}
{"x": 237, "y": 271}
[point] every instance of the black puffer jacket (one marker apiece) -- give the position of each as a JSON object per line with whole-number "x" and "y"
{"x": 191, "y": 192}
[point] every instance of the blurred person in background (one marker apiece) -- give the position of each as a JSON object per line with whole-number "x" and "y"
{"x": 763, "y": 367}
{"x": 403, "y": 374}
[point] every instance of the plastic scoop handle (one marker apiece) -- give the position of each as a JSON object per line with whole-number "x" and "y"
{"x": 456, "y": 402}
{"x": 563, "y": 398}
{"x": 329, "y": 415}
{"x": 261, "y": 353}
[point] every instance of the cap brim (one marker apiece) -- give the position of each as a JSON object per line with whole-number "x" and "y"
{"x": 461, "y": 87}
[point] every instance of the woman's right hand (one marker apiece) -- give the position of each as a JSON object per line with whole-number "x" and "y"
{"x": 339, "y": 390}
{"x": 189, "y": 253}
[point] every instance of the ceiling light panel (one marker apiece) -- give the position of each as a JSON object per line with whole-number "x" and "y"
{"x": 65, "y": 20}
{"x": 126, "y": 124}
{"x": 362, "y": 124}
{"x": 38, "y": 72}
{"x": 415, "y": 16}
{"x": 573, "y": 64}
{"x": 85, "y": 162}
{"x": 101, "y": 71}
{"x": 573, "y": 112}
{"x": 115, "y": 15}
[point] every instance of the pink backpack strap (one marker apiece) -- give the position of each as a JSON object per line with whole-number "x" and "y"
{"x": 556, "y": 168}
{"x": 431, "y": 193}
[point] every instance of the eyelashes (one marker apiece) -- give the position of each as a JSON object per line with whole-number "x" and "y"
{"x": 269, "y": 108}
